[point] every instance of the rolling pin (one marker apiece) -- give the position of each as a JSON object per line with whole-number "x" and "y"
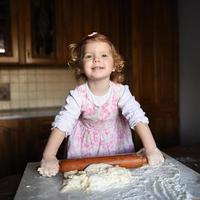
{"x": 132, "y": 160}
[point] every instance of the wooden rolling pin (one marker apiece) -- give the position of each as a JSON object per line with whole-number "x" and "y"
{"x": 123, "y": 160}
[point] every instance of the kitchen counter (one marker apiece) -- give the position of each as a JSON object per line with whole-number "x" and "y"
{"x": 29, "y": 113}
{"x": 150, "y": 182}
{"x": 188, "y": 155}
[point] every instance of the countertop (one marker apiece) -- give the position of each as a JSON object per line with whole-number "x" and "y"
{"x": 29, "y": 113}
{"x": 173, "y": 180}
{"x": 188, "y": 155}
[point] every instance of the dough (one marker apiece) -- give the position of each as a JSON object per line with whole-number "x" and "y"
{"x": 96, "y": 177}
{"x": 171, "y": 180}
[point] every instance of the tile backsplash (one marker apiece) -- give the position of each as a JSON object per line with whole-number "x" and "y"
{"x": 4, "y": 91}
{"x": 36, "y": 87}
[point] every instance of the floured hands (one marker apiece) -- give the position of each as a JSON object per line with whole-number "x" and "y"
{"x": 155, "y": 157}
{"x": 49, "y": 167}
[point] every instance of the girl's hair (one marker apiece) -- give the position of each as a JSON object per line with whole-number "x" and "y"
{"x": 76, "y": 51}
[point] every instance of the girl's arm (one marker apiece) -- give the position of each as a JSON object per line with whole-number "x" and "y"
{"x": 62, "y": 126}
{"x": 145, "y": 135}
{"x": 53, "y": 144}
{"x": 153, "y": 154}
{"x": 138, "y": 121}
{"x": 130, "y": 108}
{"x": 49, "y": 163}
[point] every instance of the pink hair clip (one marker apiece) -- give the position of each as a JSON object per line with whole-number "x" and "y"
{"x": 92, "y": 34}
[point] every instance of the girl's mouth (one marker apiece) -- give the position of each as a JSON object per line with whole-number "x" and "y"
{"x": 97, "y": 68}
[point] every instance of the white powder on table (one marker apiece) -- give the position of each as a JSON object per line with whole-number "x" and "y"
{"x": 146, "y": 182}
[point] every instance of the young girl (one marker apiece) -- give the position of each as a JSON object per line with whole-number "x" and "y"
{"x": 98, "y": 114}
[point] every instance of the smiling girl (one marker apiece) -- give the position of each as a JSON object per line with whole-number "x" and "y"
{"x": 98, "y": 114}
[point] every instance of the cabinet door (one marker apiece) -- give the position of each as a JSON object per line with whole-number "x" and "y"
{"x": 42, "y": 39}
{"x": 9, "y": 147}
{"x": 155, "y": 66}
{"x": 8, "y": 32}
{"x": 39, "y": 131}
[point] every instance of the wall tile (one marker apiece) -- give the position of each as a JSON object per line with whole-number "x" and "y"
{"x": 36, "y": 87}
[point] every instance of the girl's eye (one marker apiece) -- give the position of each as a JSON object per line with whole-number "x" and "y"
{"x": 88, "y": 56}
{"x": 104, "y": 55}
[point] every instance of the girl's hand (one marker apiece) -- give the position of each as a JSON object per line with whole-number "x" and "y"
{"x": 49, "y": 167}
{"x": 155, "y": 157}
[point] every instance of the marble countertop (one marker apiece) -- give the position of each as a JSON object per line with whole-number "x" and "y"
{"x": 29, "y": 113}
{"x": 188, "y": 155}
{"x": 171, "y": 181}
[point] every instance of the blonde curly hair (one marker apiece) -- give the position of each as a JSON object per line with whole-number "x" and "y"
{"x": 76, "y": 55}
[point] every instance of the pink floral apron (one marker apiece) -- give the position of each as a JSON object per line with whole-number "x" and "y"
{"x": 100, "y": 130}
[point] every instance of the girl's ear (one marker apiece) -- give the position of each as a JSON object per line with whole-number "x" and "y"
{"x": 113, "y": 69}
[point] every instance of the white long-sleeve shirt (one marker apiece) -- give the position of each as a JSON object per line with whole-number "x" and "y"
{"x": 71, "y": 111}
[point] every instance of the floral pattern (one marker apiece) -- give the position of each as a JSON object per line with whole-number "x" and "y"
{"x": 100, "y": 130}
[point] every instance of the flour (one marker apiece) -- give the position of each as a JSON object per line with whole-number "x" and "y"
{"x": 96, "y": 177}
{"x": 147, "y": 183}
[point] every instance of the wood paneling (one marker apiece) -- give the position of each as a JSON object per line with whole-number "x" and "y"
{"x": 9, "y": 146}
{"x": 23, "y": 141}
{"x": 155, "y": 66}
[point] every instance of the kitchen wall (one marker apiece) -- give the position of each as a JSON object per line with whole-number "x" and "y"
{"x": 35, "y": 87}
{"x": 189, "y": 59}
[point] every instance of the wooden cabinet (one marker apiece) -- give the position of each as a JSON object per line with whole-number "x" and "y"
{"x": 43, "y": 31}
{"x": 155, "y": 72}
{"x": 31, "y": 32}
{"x": 8, "y": 32}
{"x": 9, "y": 147}
{"x": 23, "y": 141}
{"x": 40, "y": 128}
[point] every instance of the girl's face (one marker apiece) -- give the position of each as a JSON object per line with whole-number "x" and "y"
{"x": 97, "y": 61}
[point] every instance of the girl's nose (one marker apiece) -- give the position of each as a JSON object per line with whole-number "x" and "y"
{"x": 96, "y": 59}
